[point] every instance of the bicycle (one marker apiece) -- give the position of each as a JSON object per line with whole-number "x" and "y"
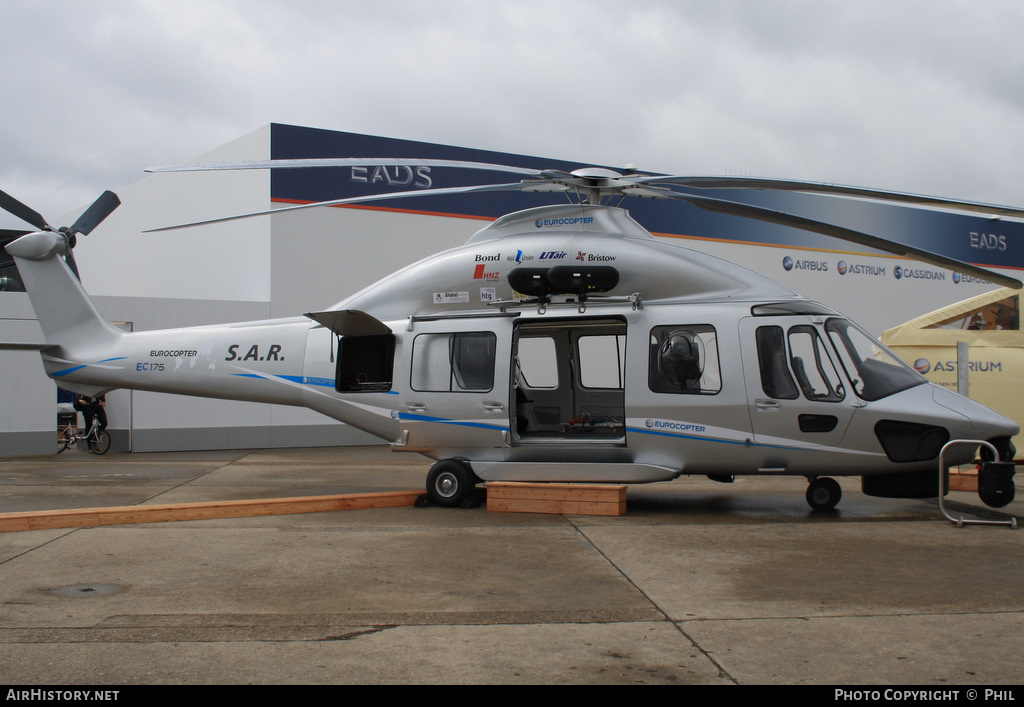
{"x": 98, "y": 440}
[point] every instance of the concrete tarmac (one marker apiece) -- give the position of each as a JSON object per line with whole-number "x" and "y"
{"x": 700, "y": 583}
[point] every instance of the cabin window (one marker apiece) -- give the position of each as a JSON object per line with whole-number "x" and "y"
{"x": 684, "y": 359}
{"x": 365, "y": 363}
{"x": 536, "y": 362}
{"x": 602, "y": 360}
{"x": 776, "y": 380}
{"x": 456, "y": 362}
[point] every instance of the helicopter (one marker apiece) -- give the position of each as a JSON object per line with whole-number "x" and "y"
{"x": 561, "y": 343}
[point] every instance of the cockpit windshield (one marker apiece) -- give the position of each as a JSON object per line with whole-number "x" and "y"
{"x": 874, "y": 371}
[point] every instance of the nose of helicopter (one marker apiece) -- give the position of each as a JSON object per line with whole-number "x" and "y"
{"x": 981, "y": 422}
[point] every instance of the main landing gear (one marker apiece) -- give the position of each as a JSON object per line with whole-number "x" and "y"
{"x": 451, "y": 483}
{"x": 823, "y": 493}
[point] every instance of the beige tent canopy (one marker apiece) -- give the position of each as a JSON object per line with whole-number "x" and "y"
{"x": 990, "y": 325}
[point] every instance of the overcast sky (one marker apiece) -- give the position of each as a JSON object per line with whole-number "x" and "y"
{"x": 922, "y": 96}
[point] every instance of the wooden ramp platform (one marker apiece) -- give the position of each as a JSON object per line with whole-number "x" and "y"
{"x": 573, "y": 499}
{"x": 158, "y": 513}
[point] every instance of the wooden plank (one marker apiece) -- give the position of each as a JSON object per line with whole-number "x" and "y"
{"x": 557, "y": 507}
{"x": 158, "y": 513}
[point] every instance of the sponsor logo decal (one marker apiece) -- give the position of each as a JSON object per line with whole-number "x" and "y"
{"x": 593, "y": 258}
{"x": 674, "y": 426}
{"x": 860, "y": 269}
{"x": 987, "y": 241}
{"x": 480, "y": 273}
{"x": 451, "y": 297}
{"x": 902, "y": 273}
{"x": 399, "y": 176}
{"x": 550, "y": 222}
{"x": 924, "y": 366}
{"x": 788, "y": 263}
{"x": 959, "y": 278}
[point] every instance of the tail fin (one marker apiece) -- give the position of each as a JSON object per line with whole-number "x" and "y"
{"x": 66, "y": 314}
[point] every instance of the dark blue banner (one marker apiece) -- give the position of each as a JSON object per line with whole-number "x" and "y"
{"x": 980, "y": 240}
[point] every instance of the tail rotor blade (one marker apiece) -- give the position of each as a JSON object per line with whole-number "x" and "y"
{"x": 16, "y": 208}
{"x": 94, "y": 215}
{"x": 69, "y": 258}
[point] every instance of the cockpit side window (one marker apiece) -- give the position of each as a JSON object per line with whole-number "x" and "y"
{"x": 684, "y": 359}
{"x": 874, "y": 372}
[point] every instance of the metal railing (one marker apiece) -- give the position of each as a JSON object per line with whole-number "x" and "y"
{"x": 961, "y": 521}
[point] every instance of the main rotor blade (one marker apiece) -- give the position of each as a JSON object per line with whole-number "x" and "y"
{"x": 16, "y": 208}
{"x": 515, "y": 186}
{"x": 342, "y": 162}
{"x": 94, "y": 215}
{"x": 758, "y": 213}
{"x": 835, "y": 189}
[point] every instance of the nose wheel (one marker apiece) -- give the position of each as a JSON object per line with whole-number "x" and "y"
{"x": 824, "y": 493}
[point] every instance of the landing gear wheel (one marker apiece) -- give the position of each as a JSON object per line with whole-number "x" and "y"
{"x": 450, "y": 483}
{"x": 101, "y": 444}
{"x": 824, "y": 493}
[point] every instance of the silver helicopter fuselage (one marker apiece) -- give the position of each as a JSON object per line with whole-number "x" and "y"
{"x": 664, "y": 361}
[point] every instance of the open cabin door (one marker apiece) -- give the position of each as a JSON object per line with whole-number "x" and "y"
{"x": 457, "y": 391}
{"x": 568, "y": 381}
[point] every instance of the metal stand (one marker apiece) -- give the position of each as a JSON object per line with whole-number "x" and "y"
{"x": 960, "y": 522}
